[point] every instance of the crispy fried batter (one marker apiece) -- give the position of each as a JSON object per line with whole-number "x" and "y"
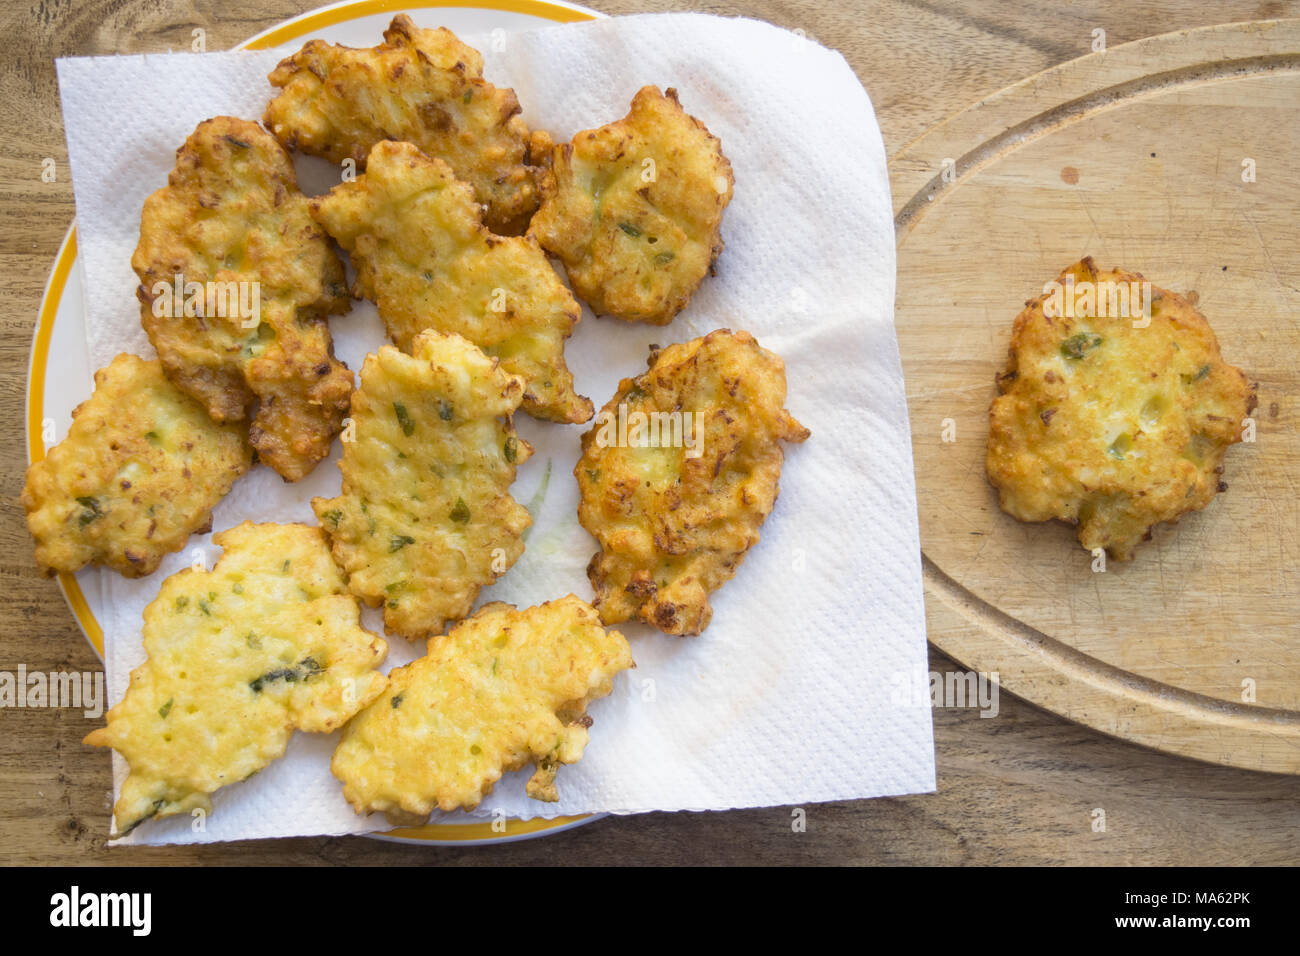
{"x": 232, "y": 212}
{"x": 140, "y": 470}
{"x": 267, "y": 641}
{"x": 634, "y": 209}
{"x": 420, "y": 86}
{"x": 676, "y": 504}
{"x": 425, "y": 259}
{"x": 425, "y": 518}
{"x": 1111, "y": 427}
{"x": 502, "y": 689}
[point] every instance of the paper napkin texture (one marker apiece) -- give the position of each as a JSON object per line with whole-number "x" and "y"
{"x": 791, "y": 695}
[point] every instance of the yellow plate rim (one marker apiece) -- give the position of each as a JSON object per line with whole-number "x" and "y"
{"x": 555, "y": 10}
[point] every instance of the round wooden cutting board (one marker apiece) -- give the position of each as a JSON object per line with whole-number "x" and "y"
{"x": 1176, "y": 157}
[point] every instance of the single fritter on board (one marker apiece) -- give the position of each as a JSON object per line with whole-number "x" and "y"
{"x": 425, "y": 518}
{"x": 140, "y": 470}
{"x": 420, "y": 86}
{"x": 634, "y": 209}
{"x": 678, "y": 475}
{"x": 235, "y": 282}
{"x": 503, "y": 689}
{"x": 1112, "y": 422}
{"x": 423, "y": 256}
{"x": 267, "y": 642}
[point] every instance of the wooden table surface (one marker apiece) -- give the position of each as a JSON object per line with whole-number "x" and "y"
{"x": 1018, "y": 788}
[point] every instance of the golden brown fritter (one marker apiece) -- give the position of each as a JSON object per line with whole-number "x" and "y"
{"x": 1107, "y": 426}
{"x": 634, "y": 209}
{"x": 140, "y": 470}
{"x": 425, "y": 518}
{"x": 231, "y": 213}
{"x": 267, "y": 642}
{"x": 502, "y": 689}
{"x": 420, "y": 86}
{"x": 677, "y": 476}
{"x": 423, "y": 256}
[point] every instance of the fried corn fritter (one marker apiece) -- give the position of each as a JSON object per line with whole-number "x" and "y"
{"x": 140, "y": 470}
{"x": 231, "y": 214}
{"x": 634, "y": 209}
{"x": 676, "y": 499}
{"x": 502, "y": 689}
{"x": 425, "y": 518}
{"x": 267, "y": 642}
{"x": 420, "y": 86}
{"x": 424, "y": 257}
{"x": 1107, "y": 426}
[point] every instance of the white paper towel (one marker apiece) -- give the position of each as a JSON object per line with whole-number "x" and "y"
{"x": 790, "y": 695}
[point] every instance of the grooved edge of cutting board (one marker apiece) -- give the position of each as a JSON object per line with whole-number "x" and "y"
{"x": 1031, "y": 664}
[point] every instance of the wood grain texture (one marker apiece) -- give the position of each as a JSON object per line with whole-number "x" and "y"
{"x": 1018, "y": 788}
{"x": 1134, "y": 156}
